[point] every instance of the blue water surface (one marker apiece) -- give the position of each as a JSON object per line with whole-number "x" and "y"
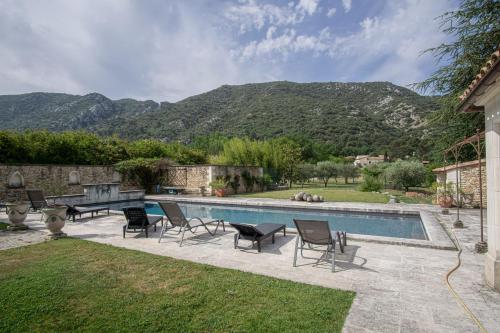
{"x": 388, "y": 225}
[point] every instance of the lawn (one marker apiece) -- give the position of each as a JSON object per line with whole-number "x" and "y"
{"x": 3, "y": 226}
{"x": 70, "y": 284}
{"x": 336, "y": 193}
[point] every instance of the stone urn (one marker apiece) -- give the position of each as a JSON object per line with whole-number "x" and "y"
{"x": 55, "y": 219}
{"x": 17, "y": 212}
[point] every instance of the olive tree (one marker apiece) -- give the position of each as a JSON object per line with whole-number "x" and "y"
{"x": 326, "y": 170}
{"x": 304, "y": 172}
{"x": 406, "y": 174}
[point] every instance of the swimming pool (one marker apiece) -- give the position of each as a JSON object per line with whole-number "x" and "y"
{"x": 363, "y": 223}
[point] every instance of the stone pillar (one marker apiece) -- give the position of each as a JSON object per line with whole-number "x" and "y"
{"x": 492, "y": 118}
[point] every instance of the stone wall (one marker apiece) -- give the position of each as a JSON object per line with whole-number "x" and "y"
{"x": 55, "y": 179}
{"x": 468, "y": 181}
{"x": 195, "y": 179}
{"x": 70, "y": 179}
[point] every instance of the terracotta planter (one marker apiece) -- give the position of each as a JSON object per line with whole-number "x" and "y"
{"x": 220, "y": 192}
{"x": 17, "y": 212}
{"x": 55, "y": 219}
{"x": 445, "y": 201}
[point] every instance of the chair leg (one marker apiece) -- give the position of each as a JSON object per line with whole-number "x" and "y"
{"x": 163, "y": 227}
{"x": 124, "y": 227}
{"x": 146, "y": 229}
{"x": 295, "y": 251}
{"x": 182, "y": 237}
{"x": 258, "y": 246}
{"x": 236, "y": 237}
{"x": 273, "y": 238}
{"x": 333, "y": 257}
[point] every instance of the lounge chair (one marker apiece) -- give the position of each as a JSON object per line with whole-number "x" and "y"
{"x": 137, "y": 218}
{"x": 37, "y": 199}
{"x": 257, "y": 233}
{"x": 314, "y": 233}
{"x": 76, "y": 210}
{"x": 178, "y": 220}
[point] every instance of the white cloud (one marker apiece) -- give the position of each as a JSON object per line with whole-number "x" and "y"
{"x": 171, "y": 50}
{"x": 347, "y": 4}
{"x": 120, "y": 48}
{"x": 331, "y": 12}
{"x": 385, "y": 48}
{"x": 251, "y": 14}
{"x": 390, "y": 46}
{"x": 309, "y": 6}
{"x": 255, "y": 15}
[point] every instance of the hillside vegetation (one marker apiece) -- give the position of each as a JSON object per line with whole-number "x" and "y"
{"x": 352, "y": 118}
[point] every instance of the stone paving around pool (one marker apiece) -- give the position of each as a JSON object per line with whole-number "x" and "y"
{"x": 399, "y": 288}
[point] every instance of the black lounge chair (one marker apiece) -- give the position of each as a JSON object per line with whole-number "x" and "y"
{"x": 177, "y": 219}
{"x": 76, "y": 210}
{"x": 138, "y": 219}
{"x": 257, "y": 233}
{"x": 315, "y": 233}
{"x": 37, "y": 199}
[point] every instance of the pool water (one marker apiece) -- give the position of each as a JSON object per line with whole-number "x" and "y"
{"x": 387, "y": 225}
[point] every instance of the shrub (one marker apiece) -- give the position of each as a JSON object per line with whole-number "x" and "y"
{"x": 248, "y": 180}
{"x": 146, "y": 171}
{"x": 219, "y": 183}
{"x": 235, "y": 183}
{"x": 406, "y": 174}
{"x": 371, "y": 184}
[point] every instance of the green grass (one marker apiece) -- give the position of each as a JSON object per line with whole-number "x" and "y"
{"x": 334, "y": 192}
{"x": 75, "y": 285}
{"x": 338, "y": 193}
{"x": 3, "y": 226}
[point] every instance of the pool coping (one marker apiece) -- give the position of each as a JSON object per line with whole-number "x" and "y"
{"x": 438, "y": 238}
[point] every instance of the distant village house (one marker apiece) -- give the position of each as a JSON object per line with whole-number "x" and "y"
{"x": 364, "y": 160}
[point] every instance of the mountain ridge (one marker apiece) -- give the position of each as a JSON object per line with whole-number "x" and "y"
{"x": 352, "y": 117}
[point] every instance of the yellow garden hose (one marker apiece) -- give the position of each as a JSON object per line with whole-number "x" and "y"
{"x": 454, "y": 293}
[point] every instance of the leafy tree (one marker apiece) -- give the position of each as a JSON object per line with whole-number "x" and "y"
{"x": 147, "y": 171}
{"x": 326, "y": 170}
{"x": 303, "y": 173}
{"x": 406, "y": 173}
{"x": 475, "y": 31}
{"x": 347, "y": 171}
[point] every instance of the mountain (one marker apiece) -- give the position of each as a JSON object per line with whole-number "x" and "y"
{"x": 352, "y": 117}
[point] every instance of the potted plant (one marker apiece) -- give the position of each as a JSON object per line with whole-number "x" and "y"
{"x": 17, "y": 212}
{"x": 219, "y": 185}
{"x": 445, "y": 194}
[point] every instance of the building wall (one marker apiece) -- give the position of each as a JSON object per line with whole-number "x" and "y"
{"x": 468, "y": 181}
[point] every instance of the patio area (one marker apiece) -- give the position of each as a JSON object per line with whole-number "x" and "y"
{"x": 399, "y": 288}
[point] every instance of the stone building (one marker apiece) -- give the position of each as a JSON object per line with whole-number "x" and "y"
{"x": 468, "y": 181}
{"x": 364, "y": 160}
{"x": 483, "y": 95}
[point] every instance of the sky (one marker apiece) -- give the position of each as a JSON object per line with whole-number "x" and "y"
{"x": 167, "y": 50}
